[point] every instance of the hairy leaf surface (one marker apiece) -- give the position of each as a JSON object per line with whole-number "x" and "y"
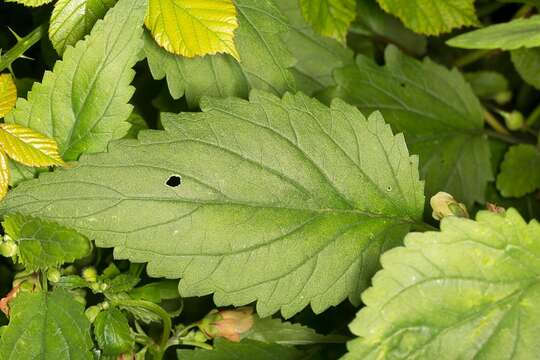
{"x": 284, "y": 201}
{"x": 245, "y": 350}
{"x": 8, "y": 94}
{"x": 46, "y": 326}
{"x": 436, "y": 110}
{"x": 329, "y": 17}
{"x": 507, "y": 36}
{"x": 85, "y": 99}
{"x": 265, "y": 61}
{"x": 512, "y": 181}
{"x": 470, "y": 291}
{"x": 71, "y": 20}
{"x": 193, "y": 27}
{"x": 432, "y": 17}
{"x": 44, "y": 244}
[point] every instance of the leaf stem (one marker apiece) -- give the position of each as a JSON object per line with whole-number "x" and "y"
{"x": 158, "y": 310}
{"x": 533, "y": 117}
{"x": 506, "y": 138}
{"x": 494, "y": 123}
{"x": 21, "y": 47}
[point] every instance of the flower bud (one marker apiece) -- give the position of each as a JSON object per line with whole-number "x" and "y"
{"x": 53, "y": 275}
{"x": 494, "y": 208}
{"x": 513, "y": 120}
{"x": 503, "y": 97}
{"x": 229, "y": 324}
{"x": 444, "y": 204}
{"x": 89, "y": 274}
{"x": 8, "y": 247}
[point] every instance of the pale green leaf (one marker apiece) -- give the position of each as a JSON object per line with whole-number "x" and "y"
{"x": 512, "y": 35}
{"x": 527, "y": 64}
{"x": 5, "y": 176}
{"x": 270, "y": 330}
{"x": 43, "y": 244}
{"x": 8, "y": 94}
{"x": 112, "y": 332}
{"x": 432, "y": 17}
{"x": 316, "y": 56}
{"x": 71, "y": 20}
{"x": 308, "y": 193}
{"x": 85, "y": 98}
{"x": 157, "y": 291}
{"x": 470, "y": 291}
{"x": 245, "y": 350}
{"x": 436, "y": 110}
{"x": 31, "y": 3}
{"x": 193, "y": 27}
{"x": 46, "y": 326}
{"x": 265, "y": 61}
{"x": 329, "y": 17}
{"x": 520, "y": 171}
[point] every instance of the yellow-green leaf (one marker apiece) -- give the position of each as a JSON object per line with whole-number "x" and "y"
{"x": 193, "y": 27}
{"x": 329, "y": 17}
{"x": 28, "y": 146}
{"x": 4, "y": 174}
{"x": 31, "y": 3}
{"x": 8, "y": 94}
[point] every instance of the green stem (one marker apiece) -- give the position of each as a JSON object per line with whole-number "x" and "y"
{"x": 506, "y": 138}
{"x": 44, "y": 281}
{"x": 533, "y": 117}
{"x": 523, "y": 11}
{"x": 472, "y": 57}
{"x": 158, "y": 310}
{"x": 21, "y": 47}
{"x": 494, "y": 123}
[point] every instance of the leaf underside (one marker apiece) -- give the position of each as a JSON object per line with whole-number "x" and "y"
{"x": 475, "y": 284}
{"x": 281, "y": 185}
{"x": 511, "y": 181}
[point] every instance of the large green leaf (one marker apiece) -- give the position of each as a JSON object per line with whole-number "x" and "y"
{"x": 520, "y": 171}
{"x": 507, "y": 36}
{"x": 46, "y": 326}
{"x": 308, "y": 193}
{"x": 471, "y": 291}
{"x": 316, "y": 56}
{"x": 436, "y": 110}
{"x": 71, "y": 20}
{"x": 527, "y": 64}
{"x": 32, "y": 3}
{"x": 44, "y": 244}
{"x": 265, "y": 61}
{"x": 432, "y": 17}
{"x": 245, "y": 350}
{"x": 329, "y": 17}
{"x": 85, "y": 99}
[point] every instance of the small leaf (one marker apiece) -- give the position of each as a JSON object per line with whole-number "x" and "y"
{"x": 71, "y": 20}
{"x": 44, "y": 244}
{"x": 432, "y": 17}
{"x": 244, "y": 350}
{"x": 239, "y": 187}
{"x": 193, "y": 27}
{"x": 8, "y": 94}
{"x": 527, "y": 64}
{"x": 112, "y": 332}
{"x": 470, "y": 291}
{"x": 512, "y": 35}
{"x": 31, "y": 3}
{"x": 271, "y": 330}
{"x": 28, "y": 146}
{"x": 330, "y": 17}
{"x": 46, "y": 326}
{"x": 512, "y": 181}
{"x": 4, "y": 174}
{"x": 157, "y": 291}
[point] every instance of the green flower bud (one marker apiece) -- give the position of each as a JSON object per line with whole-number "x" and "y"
{"x": 444, "y": 204}
{"x": 514, "y": 120}
{"x": 89, "y": 274}
{"x": 8, "y": 247}
{"x": 503, "y": 97}
{"x": 53, "y": 275}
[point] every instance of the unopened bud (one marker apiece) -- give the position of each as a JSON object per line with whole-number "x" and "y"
{"x": 229, "y": 324}
{"x": 495, "y": 209}
{"x": 8, "y": 247}
{"x": 514, "y": 120}
{"x": 53, "y": 275}
{"x": 444, "y": 204}
{"x": 89, "y": 274}
{"x": 503, "y": 97}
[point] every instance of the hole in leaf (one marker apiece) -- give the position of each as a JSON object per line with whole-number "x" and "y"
{"x": 402, "y": 84}
{"x": 174, "y": 181}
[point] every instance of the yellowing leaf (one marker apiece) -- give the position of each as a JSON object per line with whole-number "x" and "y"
{"x": 28, "y": 146}
{"x": 8, "y": 94}
{"x": 193, "y": 27}
{"x": 4, "y": 175}
{"x": 31, "y": 3}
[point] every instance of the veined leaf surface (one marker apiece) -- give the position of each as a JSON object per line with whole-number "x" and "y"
{"x": 8, "y": 94}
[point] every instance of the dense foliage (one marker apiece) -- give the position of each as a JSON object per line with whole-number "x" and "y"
{"x": 269, "y": 179}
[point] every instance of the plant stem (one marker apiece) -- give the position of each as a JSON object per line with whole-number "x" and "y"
{"x": 158, "y": 310}
{"x": 472, "y": 57}
{"x": 523, "y": 11}
{"x": 494, "y": 123}
{"x": 533, "y": 117}
{"x": 21, "y": 47}
{"x": 506, "y": 138}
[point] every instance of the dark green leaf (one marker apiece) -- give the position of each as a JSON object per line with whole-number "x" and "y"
{"x": 112, "y": 332}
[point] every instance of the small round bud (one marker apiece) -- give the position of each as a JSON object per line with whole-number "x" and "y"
{"x": 444, "y": 204}
{"x": 89, "y": 274}
{"x": 8, "y": 248}
{"x": 229, "y": 324}
{"x": 514, "y": 120}
{"x": 503, "y": 97}
{"x": 53, "y": 275}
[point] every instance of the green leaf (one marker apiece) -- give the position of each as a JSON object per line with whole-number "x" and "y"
{"x": 512, "y": 35}
{"x": 157, "y": 291}
{"x": 265, "y": 61}
{"x": 112, "y": 332}
{"x": 527, "y": 64}
{"x": 470, "y": 291}
{"x": 271, "y": 330}
{"x": 31, "y": 3}
{"x": 432, "y": 17}
{"x": 436, "y": 110}
{"x": 309, "y": 193}
{"x": 8, "y": 94}
{"x": 46, "y": 326}
{"x": 76, "y": 104}
{"x": 317, "y": 56}
{"x": 520, "y": 171}
{"x": 487, "y": 84}
{"x": 330, "y": 17}
{"x": 193, "y": 27}
{"x": 244, "y": 350}
{"x": 71, "y": 20}
{"x": 44, "y": 244}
